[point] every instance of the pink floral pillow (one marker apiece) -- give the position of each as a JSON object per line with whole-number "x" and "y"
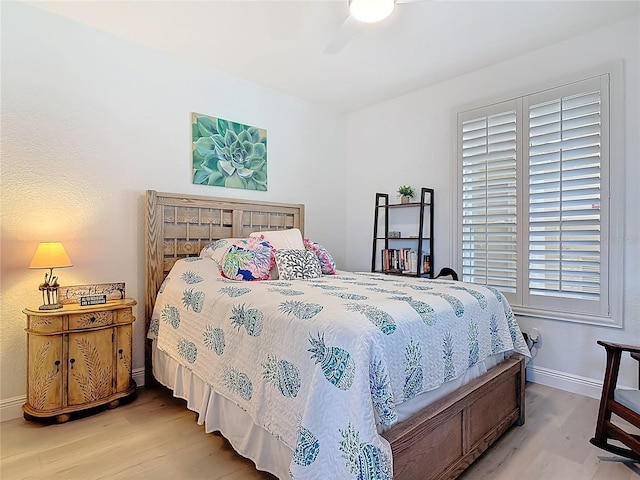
{"x": 217, "y": 249}
{"x": 248, "y": 259}
{"x": 324, "y": 257}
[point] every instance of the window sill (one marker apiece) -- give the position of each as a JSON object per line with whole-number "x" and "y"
{"x": 586, "y": 318}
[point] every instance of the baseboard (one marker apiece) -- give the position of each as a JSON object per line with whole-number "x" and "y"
{"x": 565, "y": 381}
{"x": 11, "y": 408}
{"x": 138, "y": 376}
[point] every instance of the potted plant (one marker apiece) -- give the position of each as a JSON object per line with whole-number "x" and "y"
{"x": 405, "y": 192}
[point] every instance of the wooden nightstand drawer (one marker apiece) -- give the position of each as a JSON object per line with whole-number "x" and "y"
{"x": 46, "y": 324}
{"x": 124, "y": 315}
{"x": 90, "y": 320}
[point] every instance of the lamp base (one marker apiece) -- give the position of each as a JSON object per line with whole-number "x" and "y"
{"x": 53, "y": 306}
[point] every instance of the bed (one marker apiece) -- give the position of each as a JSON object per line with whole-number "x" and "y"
{"x": 350, "y": 393}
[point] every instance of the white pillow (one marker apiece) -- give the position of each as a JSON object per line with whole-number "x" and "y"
{"x": 290, "y": 239}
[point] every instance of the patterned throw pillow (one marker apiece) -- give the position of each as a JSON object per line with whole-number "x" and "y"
{"x": 217, "y": 249}
{"x": 324, "y": 257}
{"x": 281, "y": 239}
{"x": 248, "y": 259}
{"x": 297, "y": 265}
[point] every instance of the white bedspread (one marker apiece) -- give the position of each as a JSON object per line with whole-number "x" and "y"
{"x": 320, "y": 364}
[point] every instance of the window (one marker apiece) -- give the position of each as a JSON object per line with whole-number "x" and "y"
{"x": 535, "y": 213}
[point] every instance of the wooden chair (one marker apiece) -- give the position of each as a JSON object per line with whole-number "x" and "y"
{"x": 624, "y": 403}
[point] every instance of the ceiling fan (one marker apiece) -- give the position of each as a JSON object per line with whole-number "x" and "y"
{"x": 361, "y": 11}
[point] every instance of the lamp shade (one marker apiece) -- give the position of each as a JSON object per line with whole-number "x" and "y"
{"x": 50, "y": 255}
{"x": 371, "y": 11}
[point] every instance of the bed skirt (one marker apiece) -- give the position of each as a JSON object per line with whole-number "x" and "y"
{"x": 218, "y": 414}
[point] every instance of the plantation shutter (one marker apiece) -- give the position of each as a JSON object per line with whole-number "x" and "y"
{"x": 535, "y": 208}
{"x": 566, "y": 255}
{"x": 489, "y": 146}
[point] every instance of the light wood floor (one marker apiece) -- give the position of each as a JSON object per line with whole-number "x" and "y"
{"x": 156, "y": 437}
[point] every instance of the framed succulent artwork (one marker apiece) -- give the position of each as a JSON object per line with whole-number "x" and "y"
{"x": 228, "y": 154}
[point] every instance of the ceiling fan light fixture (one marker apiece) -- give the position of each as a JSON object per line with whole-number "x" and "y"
{"x": 371, "y": 11}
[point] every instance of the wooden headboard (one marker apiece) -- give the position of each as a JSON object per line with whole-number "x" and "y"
{"x": 179, "y": 226}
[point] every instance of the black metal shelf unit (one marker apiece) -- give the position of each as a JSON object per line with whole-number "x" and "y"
{"x": 393, "y": 254}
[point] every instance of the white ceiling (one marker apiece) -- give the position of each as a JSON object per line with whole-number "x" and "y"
{"x": 280, "y": 44}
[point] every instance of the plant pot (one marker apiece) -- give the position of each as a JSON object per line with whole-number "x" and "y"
{"x": 405, "y": 199}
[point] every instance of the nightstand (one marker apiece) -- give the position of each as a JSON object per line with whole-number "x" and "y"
{"x": 78, "y": 358}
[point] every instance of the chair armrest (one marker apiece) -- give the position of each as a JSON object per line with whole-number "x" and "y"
{"x": 447, "y": 271}
{"x": 620, "y": 346}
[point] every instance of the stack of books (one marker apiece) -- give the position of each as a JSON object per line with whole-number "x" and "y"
{"x": 403, "y": 260}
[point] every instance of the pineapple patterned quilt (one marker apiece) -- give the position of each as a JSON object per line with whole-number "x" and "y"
{"x": 321, "y": 364}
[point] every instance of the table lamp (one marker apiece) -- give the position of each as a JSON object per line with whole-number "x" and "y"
{"x": 50, "y": 255}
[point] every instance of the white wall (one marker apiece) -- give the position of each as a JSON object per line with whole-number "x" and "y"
{"x": 411, "y": 140}
{"x": 89, "y": 122}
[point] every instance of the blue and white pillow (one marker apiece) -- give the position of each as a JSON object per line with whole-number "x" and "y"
{"x": 294, "y": 264}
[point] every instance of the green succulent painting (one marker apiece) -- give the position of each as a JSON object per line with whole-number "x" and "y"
{"x": 228, "y": 154}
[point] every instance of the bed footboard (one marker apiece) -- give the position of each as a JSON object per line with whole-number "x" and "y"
{"x": 445, "y": 438}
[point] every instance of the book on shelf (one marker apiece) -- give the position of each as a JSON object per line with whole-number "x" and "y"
{"x": 399, "y": 260}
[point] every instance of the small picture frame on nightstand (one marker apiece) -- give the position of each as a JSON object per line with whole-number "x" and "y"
{"x": 93, "y": 294}
{"x": 93, "y": 300}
